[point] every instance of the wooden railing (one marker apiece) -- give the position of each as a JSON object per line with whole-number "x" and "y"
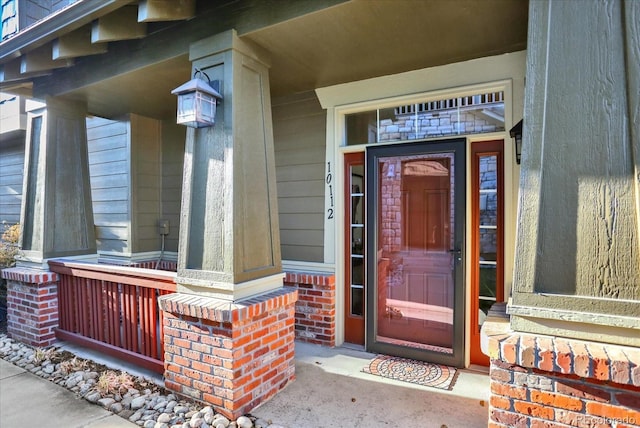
{"x": 113, "y": 309}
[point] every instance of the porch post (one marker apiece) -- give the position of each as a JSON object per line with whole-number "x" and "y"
{"x": 56, "y": 216}
{"x": 229, "y": 330}
{"x": 572, "y": 346}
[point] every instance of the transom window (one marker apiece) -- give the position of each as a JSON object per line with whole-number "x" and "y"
{"x": 474, "y": 114}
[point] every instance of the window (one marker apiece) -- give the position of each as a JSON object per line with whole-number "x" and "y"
{"x": 473, "y": 114}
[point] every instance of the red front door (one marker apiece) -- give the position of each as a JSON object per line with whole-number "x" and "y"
{"x": 354, "y": 281}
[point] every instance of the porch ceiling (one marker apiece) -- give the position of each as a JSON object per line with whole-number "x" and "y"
{"x": 368, "y": 38}
{"x": 350, "y": 41}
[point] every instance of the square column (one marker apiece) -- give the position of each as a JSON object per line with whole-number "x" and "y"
{"x": 57, "y": 214}
{"x": 569, "y": 354}
{"x": 233, "y": 356}
{"x": 32, "y": 305}
{"x": 229, "y": 233}
{"x": 229, "y": 330}
{"x": 577, "y": 260}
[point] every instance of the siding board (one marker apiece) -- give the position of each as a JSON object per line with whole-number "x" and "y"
{"x": 300, "y": 157}
{"x": 299, "y": 126}
{"x": 11, "y": 175}
{"x": 288, "y": 189}
{"x": 108, "y": 146}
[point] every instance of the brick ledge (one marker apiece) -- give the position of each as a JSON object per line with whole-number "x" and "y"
{"x": 225, "y": 311}
{"x": 589, "y": 360}
{"x": 29, "y": 276}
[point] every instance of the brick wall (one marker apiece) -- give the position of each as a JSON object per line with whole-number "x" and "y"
{"x": 551, "y": 382}
{"x": 316, "y": 307}
{"x": 32, "y": 305}
{"x": 230, "y": 355}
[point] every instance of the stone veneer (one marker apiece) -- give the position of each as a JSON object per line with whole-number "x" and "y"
{"x": 32, "y": 305}
{"x": 316, "y": 307}
{"x": 554, "y": 382}
{"x": 233, "y": 356}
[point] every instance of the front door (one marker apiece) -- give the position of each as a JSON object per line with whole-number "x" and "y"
{"x": 415, "y": 213}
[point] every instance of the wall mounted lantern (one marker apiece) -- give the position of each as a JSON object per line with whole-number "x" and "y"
{"x": 516, "y": 134}
{"x": 197, "y": 102}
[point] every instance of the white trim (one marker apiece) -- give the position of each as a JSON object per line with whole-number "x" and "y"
{"x": 229, "y": 291}
{"x": 502, "y": 72}
{"x": 308, "y": 267}
{"x": 114, "y": 256}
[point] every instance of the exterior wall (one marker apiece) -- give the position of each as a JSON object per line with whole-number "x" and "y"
{"x": 11, "y": 175}
{"x": 545, "y": 381}
{"x": 108, "y": 142}
{"x": 125, "y": 163}
{"x": 233, "y": 358}
{"x": 316, "y": 307}
{"x": 299, "y": 127}
{"x": 498, "y": 73}
{"x": 173, "y": 138}
{"x": 32, "y": 305}
{"x": 146, "y": 183}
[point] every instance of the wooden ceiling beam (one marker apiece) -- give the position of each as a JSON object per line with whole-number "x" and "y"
{"x": 166, "y": 10}
{"x": 121, "y": 24}
{"x": 41, "y": 59}
{"x": 10, "y": 72}
{"x": 77, "y": 43}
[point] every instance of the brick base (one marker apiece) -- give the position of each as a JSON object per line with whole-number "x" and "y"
{"x": 232, "y": 356}
{"x": 542, "y": 381}
{"x": 32, "y": 305}
{"x": 316, "y": 307}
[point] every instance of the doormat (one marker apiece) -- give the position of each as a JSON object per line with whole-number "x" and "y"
{"x": 418, "y": 372}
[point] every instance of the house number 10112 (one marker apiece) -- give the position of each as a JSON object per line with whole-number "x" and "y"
{"x": 328, "y": 179}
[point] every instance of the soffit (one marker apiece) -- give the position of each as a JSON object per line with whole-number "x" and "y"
{"x": 363, "y": 39}
{"x": 351, "y": 41}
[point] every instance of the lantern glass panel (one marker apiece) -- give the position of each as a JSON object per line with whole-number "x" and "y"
{"x": 205, "y": 108}
{"x": 186, "y": 107}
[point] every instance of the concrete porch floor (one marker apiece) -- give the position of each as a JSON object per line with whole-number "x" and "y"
{"x": 330, "y": 390}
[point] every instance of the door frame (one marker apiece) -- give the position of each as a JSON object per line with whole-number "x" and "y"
{"x": 458, "y": 147}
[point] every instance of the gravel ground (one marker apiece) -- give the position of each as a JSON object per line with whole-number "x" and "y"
{"x": 134, "y": 398}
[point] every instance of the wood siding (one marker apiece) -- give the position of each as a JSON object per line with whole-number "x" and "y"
{"x": 108, "y": 145}
{"x": 11, "y": 176}
{"x": 299, "y": 125}
{"x": 173, "y": 138}
{"x": 146, "y": 174}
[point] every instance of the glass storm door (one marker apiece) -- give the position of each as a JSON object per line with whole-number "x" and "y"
{"x": 415, "y": 213}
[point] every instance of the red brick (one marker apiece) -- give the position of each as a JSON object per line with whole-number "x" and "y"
{"x": 532, "y": 409}
{"x": 512, "y": 420}
{"x": 581, "y": 360}
{"x": 612, "y": 412}
{"x": 629, "y": 400}
{"x": 620, "y": 365}
{"x": 564, "y": 355}
{"x": 538, "y": 423}
{"x": 556, "y": 400}
{"x": 508, "y": 390}
{"x": 545, "y": 353}
{"x": 599, "y": 361}
{"x": 500, "y": 402}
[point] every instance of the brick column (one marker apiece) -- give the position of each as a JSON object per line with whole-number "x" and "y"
{"x": 316, "y": 307}
{"x": 32, "y": 305}
{"x": 547, "y": 381}
{"x": 233, "y": 356}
